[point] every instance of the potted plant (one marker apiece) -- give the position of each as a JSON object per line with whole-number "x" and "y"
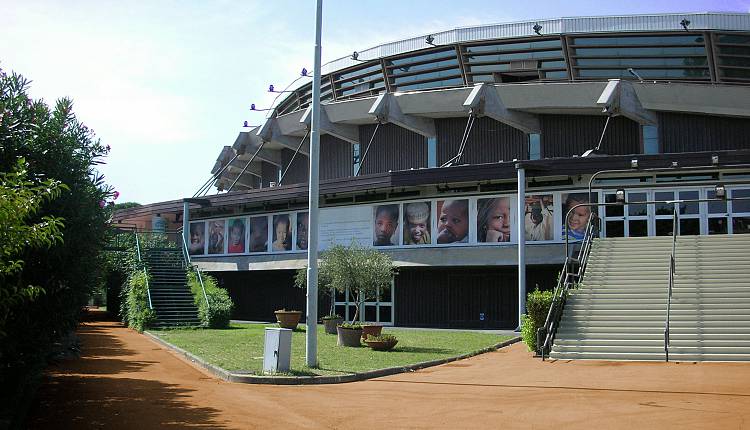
{"x": 360, "y": 271}
{"x": 384, "y": 342}
{"x": 288, "y": 319}
{"x": 371, "y": 330}
{"x": 330, "y": 322}
{"x": 349, "y": 334}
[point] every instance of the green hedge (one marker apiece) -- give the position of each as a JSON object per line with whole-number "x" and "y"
{"x": 537, "y": 307}
{"x": 219, "y": 312}
{"x": 134, "y": 305}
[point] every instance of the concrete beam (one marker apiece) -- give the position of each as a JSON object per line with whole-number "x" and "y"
{"x": 247, "y": 143}
{"x": 387, "y": 109}
{"x": 485, "y": 101}
{"x": 619, "y": 98}
{"x": 346, "y": 132}
{"x": 270, "y": 132}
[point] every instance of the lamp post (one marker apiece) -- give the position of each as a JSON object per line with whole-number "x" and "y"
{"x": 311, "y": 350}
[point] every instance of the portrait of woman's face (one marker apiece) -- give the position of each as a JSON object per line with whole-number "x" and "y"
{"x": 197, "y": 238}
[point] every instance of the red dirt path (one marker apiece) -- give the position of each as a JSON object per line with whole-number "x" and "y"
{"x": 125, "y": 380}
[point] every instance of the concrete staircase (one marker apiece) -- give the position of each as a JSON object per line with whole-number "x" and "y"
{"x": 618, "y": 313}
{"x": 170, "y": 294}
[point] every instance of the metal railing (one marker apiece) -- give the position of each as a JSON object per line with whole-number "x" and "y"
{"x": 140, "y": 260}
{"x": 569, "y": 277}
{"x": 189, "y": 265}
{"x": 675, "y": 220}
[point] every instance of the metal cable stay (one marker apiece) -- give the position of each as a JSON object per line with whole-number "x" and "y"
{"x": 367, "y": 148}
{"x": 456, "y": 159}
{"x": 296, "y": 151}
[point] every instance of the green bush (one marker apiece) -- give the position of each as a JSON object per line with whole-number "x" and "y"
{"x": 136, "y": 313}
{"x": 537, "y": 307}
{"x": 220, "y": 306}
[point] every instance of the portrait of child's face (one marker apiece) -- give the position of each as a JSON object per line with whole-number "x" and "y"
{"x": 453, "y": 222}
{"x": 579, "y": 218}
{"x": 235, "y": 235}
{"x": 417, "y": 231}
{"x": 282, "y": 228}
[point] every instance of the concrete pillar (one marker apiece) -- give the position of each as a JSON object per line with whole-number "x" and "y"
{"x": 521, "y": 234}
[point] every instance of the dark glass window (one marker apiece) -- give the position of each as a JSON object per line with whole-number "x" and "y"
{"x": 650, "y": 139}
{"x": 419, "y": 67}
{"x": 425, "y": 76}
{"x": 717, "y": 226}
{"x": 664, "y": 227}
{"x": 640, "y": 40}
{"x": 433, "y": 84}
{"x": 743, "y": 39}
{"x": 638, "y": 228}
{"x": 741, "y": 206}
{"x": 690, "y": 226}
{"x": 424, "y": 57}
{"x": 615, "y": 229}
{"x": 741, "y": 225}
{"x": 541, "y": 44}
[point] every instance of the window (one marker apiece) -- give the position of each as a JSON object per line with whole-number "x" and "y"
{"x": 515, "y": 61}
{"x": 535, "y": 148}
{"x": 650, "y": 139}
{"x": 431, "y": 152}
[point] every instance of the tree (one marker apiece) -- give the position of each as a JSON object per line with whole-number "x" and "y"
{"x": 361, "y": 271}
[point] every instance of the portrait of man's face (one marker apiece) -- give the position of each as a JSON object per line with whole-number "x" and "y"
{"x": 386, "y": 224}
{"x": 302, "y": 226}
{"x": 259, "y": 234}
{"x": 453, "y": 221}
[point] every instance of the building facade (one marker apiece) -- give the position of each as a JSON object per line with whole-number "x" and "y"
{"x": 422, "y": 141}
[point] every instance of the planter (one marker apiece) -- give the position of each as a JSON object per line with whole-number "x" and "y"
{"x": 371, "y": 330}
{"x": 381, "y": 345}
{"x": 349, "y": 336}
{"x": 288, "y": 319}
{"x": 330, "y": 325}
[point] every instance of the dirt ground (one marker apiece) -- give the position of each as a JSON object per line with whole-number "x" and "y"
{"x": 125, "y": 380}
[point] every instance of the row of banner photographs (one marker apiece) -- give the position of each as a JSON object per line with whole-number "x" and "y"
{"x": 493, "y": 225}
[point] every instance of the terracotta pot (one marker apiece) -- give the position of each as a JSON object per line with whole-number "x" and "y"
{"x": 330, "y": 325}
{"x": 288, "y": 319}
{"x": 349, "y": 336}
{"x": 381, "y": 345}
{"x": 371, "y": 330}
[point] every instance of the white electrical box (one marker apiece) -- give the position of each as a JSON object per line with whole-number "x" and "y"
{"x": 277, "y": 351}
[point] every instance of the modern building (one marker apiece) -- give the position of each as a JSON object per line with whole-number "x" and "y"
{"x": 424, "y": 139}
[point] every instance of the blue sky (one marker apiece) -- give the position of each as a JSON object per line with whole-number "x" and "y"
{"x": 168, "y": 83}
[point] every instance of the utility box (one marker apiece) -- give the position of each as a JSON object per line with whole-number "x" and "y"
{"x": 277, "y": 351}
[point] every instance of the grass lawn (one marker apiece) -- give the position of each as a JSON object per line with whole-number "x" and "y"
{"x": 240, "y": 348}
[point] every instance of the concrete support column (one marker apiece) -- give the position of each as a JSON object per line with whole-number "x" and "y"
{"x": 186, "y": 223}
{"x": 521, "y": 234}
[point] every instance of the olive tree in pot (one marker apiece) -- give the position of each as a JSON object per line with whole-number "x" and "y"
{"x": 362, "y": 271}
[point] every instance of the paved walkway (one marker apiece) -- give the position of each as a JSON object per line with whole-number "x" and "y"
{"x": 125, "y": 380}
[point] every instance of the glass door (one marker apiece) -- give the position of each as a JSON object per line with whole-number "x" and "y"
{"x": 613, "y": 217}
{"x": 637, "y": 214}
{"x": 740, "y": 212}
{"x": 717, "y": 214}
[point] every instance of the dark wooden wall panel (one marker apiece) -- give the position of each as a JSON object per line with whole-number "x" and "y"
{"x": 269, "y": 172}
{"x": 455, "y": 297}
{"x": 257, "y": 294}
{"x": 336, "y": 158}
{"x": 568, "y": 135}
{"x": 394, "y": 148}
{"x": 489, "y": 141}
{"x": 298, "y": 172}
{"x": 680, "y": 132}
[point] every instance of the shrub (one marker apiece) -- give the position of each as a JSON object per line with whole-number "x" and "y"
{"x": 220, "y": 306}
{"x": 137, "y": 314}
{"x": 537, "y": 307}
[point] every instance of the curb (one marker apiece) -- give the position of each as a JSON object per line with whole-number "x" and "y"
{"x": 307, "y": 380}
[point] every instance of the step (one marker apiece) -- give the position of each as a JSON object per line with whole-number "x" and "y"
{"x": 649, "y": 357}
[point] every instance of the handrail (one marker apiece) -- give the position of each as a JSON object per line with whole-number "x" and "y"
{"x": 564, "y": 283}
{"x": 145, "y": 272}
{"x": 188, "y": 264}
{"x": 675, "y": 220}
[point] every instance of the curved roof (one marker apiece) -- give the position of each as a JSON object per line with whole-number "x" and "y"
{"x": 702, "y": 47}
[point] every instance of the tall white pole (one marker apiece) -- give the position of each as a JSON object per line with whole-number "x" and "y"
{"x": 312, "y": 240}
{"x": 521, "y": 242}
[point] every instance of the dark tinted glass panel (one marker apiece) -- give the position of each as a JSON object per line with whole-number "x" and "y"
{"x": 482, "y": 78}
{"x": 736, "y": 73}
{"x": 370, "y": 313}
{"x": 716, "y": 207}
{"x": 734, "y": 61}
{"x": 690, "y": 227}
{"x": 663, "y": 208}
{"x": 740, "y": 205}
{"x": 553, "y": 64}
{"x": 741, "y": 225}
{"x": 431, "y": 75}
{"x": 385, "y": 314}
{"x": 734, "y": 50}
{"x": 385, "y": 295}
{"x": 352, "y": 310}
{"x": 689, "y": 208}
{"x": 433, "y": 84}
{"x": 636, "y": 209}
{"x": 634, "y": 62}
{"x": 514, "y": 57}
{"x": 615, "y": 229}
{"x": 340, "y": 297}
{"x": 542, "y": 44}
{"x": 734, "y": 38}
{"x": 423, "y": 57}
{"x": 646, "y": 74}
{"x": 717, "y": 226}
{"x": 610, "y": 211}
{"x": 490, "y": 68}
{"x": 638, "y": 52}
{"x": 663, "y": 227}
{"x": 556, "y": 75}
{"x": 640, "y": 40}
{"x": 638, "y": 228}
{"x": 358, "y": 72}
{"x": 340, "y": 310}
{"x": 419, "y": 67}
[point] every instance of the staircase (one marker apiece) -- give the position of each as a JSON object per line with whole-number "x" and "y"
{"x": 170, "y": 295}
{"x": 619, "y": 311}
